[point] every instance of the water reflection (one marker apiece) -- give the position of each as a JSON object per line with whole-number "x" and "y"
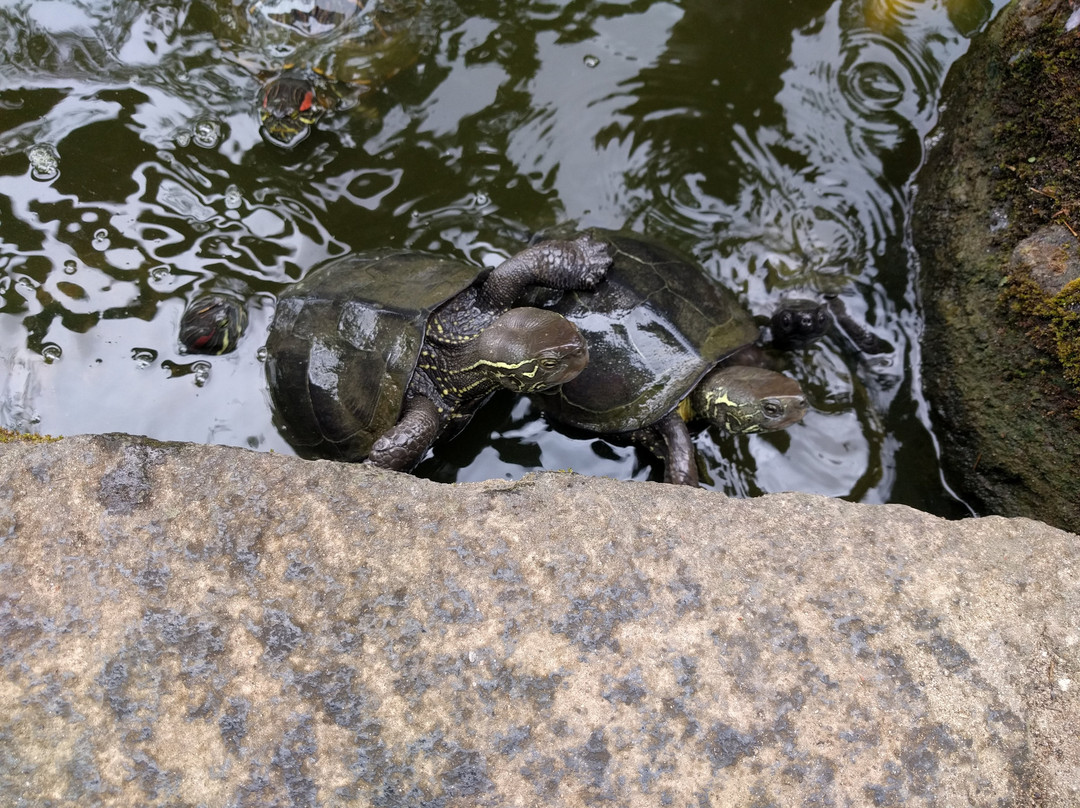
{"x": 773, "y": 140}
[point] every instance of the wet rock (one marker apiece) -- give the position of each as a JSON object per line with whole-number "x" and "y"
{"x": 387, "y": 641}
{"x": 997, "y": 252}
{"x": 1050, "y": 257}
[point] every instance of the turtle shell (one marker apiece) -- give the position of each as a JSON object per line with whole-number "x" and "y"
{"x": 344, "y": 342}
{"x": 654, "y": 327}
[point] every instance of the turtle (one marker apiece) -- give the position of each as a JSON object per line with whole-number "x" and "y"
{"x": 373, "y": 355}
{"x": 316, "y": 56}
{"x": 212, "y": 324}
{"x": 797, "y": 322}
{"x": 668, "y": 345}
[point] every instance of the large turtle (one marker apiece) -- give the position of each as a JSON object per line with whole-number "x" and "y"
{"x": 375, "y": 355}
{"x": 666, "y": 343}
{"x": 316, "y": 56}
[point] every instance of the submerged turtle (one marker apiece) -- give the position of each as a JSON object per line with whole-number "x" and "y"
{"x": 375, "y": 355}
{"x": 664, "y": 345}
{"x": 316, "y": 56}
{"x": 212, "y": 324}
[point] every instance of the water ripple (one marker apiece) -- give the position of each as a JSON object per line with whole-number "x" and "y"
{"x": 773, "y": 140}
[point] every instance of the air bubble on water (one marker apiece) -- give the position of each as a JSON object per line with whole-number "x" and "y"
{"x": 44, "y": 162}
{"x": 233, "y": 197}
{"x": 206, "y": 134}
{"x": 70, "y": 267}
{"x": 881, "y": 362}
{"x": 183, "y": 138}
{"x": 482, "y": 199}
{"x": 101, "y": 240}
{"x": 201, "y": 370}
{"x": 591, "y": 61}
{"x": 50, "y": 352}
{"x": 261, "y": 354}
{"x": 144, "y": 357}
{"x": 159, "y": 273}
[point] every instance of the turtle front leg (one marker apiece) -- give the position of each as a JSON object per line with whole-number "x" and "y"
{"x": 669, "y": 439}
{"x": 578, "y": 264}
{"x": 862, "y": 337}
{"x": 401, "y": 447}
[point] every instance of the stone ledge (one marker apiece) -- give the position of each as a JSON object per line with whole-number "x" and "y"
{"x": 196, "y": 625}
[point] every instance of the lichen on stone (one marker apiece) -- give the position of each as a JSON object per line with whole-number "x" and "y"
{"x": 11, "y": 436}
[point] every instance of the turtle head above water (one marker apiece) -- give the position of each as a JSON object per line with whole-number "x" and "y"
{"x": 289, "y": 107}
{"x": 531, "y": 350}
{"x": 798, "y": 322}
{"x": 743, "y": 399}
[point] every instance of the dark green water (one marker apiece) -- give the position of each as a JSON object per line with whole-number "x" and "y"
{"x": 774, "y": 140}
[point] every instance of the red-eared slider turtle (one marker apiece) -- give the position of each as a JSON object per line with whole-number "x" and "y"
{"x": 212, "y": 324}
{"x": 316, "y": 56}
{"x": 374, "y": 355}
{"x": 659, "y": 332}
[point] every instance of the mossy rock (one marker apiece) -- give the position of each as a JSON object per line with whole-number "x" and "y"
{"x": 10, "y": 436}
{"x": 995, "y": 224}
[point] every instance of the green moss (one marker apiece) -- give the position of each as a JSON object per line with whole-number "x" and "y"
{"x": 1052, "y": 323}
{"x": 10, "y": 436}
{"x": 1038, "y": 144}
{"x": 1065, "y": 320}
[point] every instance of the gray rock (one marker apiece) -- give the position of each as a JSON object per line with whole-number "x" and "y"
{"x": 204, "y": 626}
{"x": 1050, "y": 256}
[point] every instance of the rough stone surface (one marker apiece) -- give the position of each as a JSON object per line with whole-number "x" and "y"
{"x": 203, "y": 626}
{"x": 1050, "y": 256}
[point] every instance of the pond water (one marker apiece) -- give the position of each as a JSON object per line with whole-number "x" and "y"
{"x": 775, "y": 140}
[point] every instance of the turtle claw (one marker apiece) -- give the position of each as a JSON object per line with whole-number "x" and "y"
{"x": 594, "y": 260}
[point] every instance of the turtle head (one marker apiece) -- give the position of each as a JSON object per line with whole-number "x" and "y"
{"x": 796, "y": 323}
{"x": 289, "y": 106}
{"x": 743, "y": 399}
{"x": 530, "y": 350}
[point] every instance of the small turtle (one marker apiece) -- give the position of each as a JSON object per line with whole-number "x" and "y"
{"x": 797, "y": 322}
{"x": 212, "y": 324}
{"x": 317, "y": 56}
{"x": 663, "y": 337}
{"x": 375, "y": 355}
